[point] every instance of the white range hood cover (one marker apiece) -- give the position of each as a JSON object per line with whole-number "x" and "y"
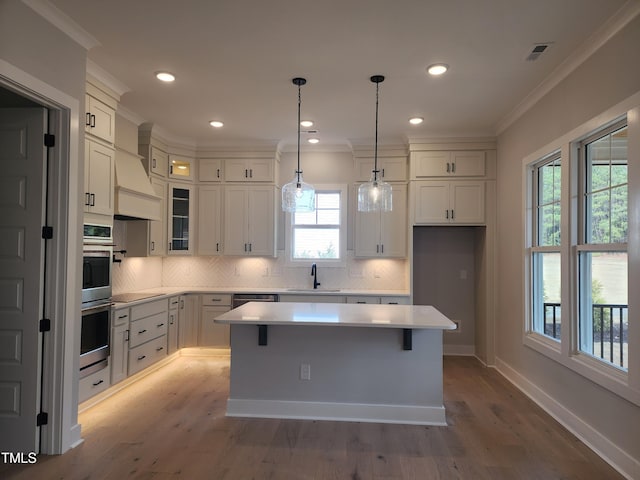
{"x": 134, "y": 195}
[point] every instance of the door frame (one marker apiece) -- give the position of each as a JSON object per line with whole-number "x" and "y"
{"x": 61, "y": 347}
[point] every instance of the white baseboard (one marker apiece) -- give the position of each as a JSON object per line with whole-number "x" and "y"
{"x": 462, "y": 350}
{"x": 625, "y": 464}
{"x": 347, "y": 412}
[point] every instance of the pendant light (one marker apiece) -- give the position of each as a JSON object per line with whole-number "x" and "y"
{"x": 376, "y": 194}
{"x": 298, "y": 196}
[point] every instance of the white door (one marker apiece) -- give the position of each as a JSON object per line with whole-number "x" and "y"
{"x": 22, "y": 183}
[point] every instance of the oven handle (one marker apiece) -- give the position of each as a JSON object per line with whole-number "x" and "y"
{"x": 96, "y": 308}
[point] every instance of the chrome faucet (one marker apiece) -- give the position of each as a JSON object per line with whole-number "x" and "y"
{"x": 314, "y": 273}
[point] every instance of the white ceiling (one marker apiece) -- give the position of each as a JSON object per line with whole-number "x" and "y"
{"x": 234, "y": 61}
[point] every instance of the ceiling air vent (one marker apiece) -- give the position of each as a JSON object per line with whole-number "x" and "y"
{"x": 537, "y": 50}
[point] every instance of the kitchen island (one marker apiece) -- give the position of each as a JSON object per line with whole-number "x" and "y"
{"x": 329, "y": 361}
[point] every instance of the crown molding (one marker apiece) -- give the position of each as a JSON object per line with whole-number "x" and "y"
{"x": 611, "y": 27}
{"x": 127, "y": 114}
{"x": 63, "y": 23}
{"x": 104, "y": 77}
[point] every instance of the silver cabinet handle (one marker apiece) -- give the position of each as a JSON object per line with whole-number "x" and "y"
{"x": 87, "y": 120}
{"x": 93, "y": 121}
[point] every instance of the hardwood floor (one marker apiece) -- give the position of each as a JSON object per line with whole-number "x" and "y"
{"x": 172, "y": 424}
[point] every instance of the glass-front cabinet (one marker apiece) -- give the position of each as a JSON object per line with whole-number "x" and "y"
{"x": 181, "y": 208}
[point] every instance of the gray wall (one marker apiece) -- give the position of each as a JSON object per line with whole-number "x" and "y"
{"x": 444, "y": 276}
{"x": 608, "y": 77}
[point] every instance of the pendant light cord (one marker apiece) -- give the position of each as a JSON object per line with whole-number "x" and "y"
{"x": 376, "y": 79}
{"x": 298, "y": 172}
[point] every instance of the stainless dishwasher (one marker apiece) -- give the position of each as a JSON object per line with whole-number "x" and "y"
{"x": 242, "y": 298}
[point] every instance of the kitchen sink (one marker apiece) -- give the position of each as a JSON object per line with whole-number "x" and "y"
{"x": 312, "y": 290}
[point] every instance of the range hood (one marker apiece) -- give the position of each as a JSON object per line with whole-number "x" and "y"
{"x": 135, "y": 198}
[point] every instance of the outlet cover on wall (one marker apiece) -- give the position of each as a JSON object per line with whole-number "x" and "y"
{"x": 305, "y": 371}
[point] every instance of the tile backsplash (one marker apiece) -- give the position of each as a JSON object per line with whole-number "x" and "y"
{"x": 134, "y": 274}
{"x": 138, "y": 273}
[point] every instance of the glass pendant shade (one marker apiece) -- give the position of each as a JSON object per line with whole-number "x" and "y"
{"x": 298, "y": 196}
{"x": 375, "y": 196}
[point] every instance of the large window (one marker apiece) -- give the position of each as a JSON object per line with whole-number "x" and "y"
{"x": 602, "y": 247}
{"x": 319, "y": 235}
{"x": 545, "y": 247}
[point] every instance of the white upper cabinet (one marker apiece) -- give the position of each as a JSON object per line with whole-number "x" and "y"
{"x": 181, "y": 167}
{"x": 210, "y": 170}
{"x": 463, "y": 163}
{"x": 100, "y": 119}
{"x": 383, "y": 234}
{"x": 391, "y": 169}
{"x": 99, "y": 173}
{"x": 249, "y": 220}
{"x": 209, "y": 220}
{"x": 158, "y": 162}
{"x": 448, "y": 202}
{"x": 249, "y": 170}
{"x": 180, "y": 206}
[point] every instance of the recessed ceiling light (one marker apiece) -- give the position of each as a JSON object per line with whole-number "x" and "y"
{"x": 165, "y": 76}
{"x": 437, "y": 69}
{"x": 216, "y": 123}
{"x": 416, "y": 120}
{"x": 313, "y": 140}
{"x": 306, "y": 123}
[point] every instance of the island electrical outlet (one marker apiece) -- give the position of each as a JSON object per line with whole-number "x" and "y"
{"x": 305, "y": 371}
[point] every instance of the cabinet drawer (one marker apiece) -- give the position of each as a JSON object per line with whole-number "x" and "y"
{"x": 395, "y": 300}
{"x": 363, "y": 299}
{"x": 150, "y": 327}
{"x": 93, "y": 384}
{"x": 147, "y": 354}
{"x": 148, "y": 309}
{"x": 120, "y": 317}
{"x": 215, "y": 299}
{"x": 174, "y": 302}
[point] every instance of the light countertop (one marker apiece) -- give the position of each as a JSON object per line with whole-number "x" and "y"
{"x": 338, "y": 314}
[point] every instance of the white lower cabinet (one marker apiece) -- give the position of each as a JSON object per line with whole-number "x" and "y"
{"x": 147, "y": 354}
{"x": 188, "y": 321}
{"x": 119, "y": 345}
{"x": 172, "y": 328}
{"x": 147, "y": 334}
{"x": 214, "y": 334}
{"x": 93, "y": 384}
{"x": 378, "y": 300}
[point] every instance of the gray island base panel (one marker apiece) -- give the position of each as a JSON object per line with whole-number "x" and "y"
{"x": 337, "y": 362}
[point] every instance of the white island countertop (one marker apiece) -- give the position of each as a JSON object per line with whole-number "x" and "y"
{"x": 338, "y": 314}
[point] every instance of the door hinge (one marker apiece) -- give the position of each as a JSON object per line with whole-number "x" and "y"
{"x": 45, "y": 325}
{"x": 42, "y": 419}
{"x": 49, "y": 140}
{"x": 47, "y": 233}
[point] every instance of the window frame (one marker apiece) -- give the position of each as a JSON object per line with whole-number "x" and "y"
{"x": 535, "y": 249}
{"x": 626, "y": 384}
{"x": 290, "y": 227}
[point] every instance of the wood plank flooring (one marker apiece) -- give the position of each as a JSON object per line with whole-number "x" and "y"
{"x": 172, "y": 425}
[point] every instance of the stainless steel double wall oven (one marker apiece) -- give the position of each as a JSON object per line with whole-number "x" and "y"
{"x": 96, "y": 298}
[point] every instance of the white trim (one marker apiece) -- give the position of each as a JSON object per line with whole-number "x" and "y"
{"x": 611, "y": 27}
{"x": 63, "y": 347}
{"x": 625, "y": 464}
{"x": 63, "y": 22}
{"x": 106, "y": 78}
{"x": 346, "y": 412}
